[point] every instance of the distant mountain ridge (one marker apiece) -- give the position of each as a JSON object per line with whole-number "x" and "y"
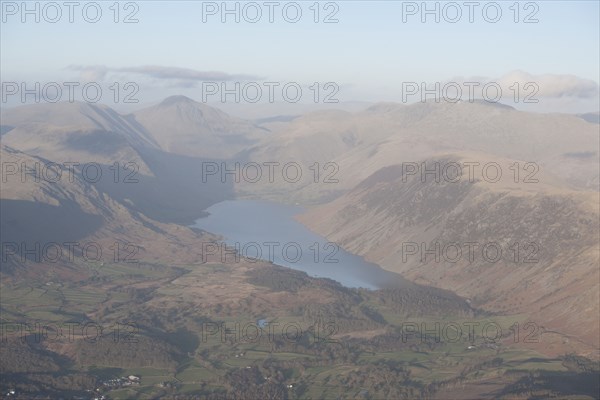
{"x": 385, "y": 134}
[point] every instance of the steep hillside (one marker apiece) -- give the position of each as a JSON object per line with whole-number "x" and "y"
{"x": 37, "y": 215}
{"x": 75, "y": 131}
{"x": 116, "y": 154}
{"x": 548, "y": 238}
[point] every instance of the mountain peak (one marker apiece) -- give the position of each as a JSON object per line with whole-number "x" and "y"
{"x": 383, "y": 107}
{"x": 489, "y": 104}
{"x": 177, "y": 99}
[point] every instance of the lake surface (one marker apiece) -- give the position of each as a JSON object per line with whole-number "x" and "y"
{"x": 268, "y": 231}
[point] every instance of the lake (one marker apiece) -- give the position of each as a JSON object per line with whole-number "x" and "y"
{"x": 268, "y": 231}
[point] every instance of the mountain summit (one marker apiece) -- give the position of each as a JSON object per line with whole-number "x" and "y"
{"x": 177, "y": 99}
{"x": 183, "y": 126}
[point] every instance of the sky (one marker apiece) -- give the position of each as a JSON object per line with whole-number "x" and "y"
{"x": 370, "y": 50}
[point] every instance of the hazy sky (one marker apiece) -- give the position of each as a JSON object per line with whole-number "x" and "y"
{"x": 369, "y": 52}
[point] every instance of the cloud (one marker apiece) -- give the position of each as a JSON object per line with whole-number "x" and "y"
{"x": 554, "y": 85}
{"x": 186, "y": 74}
{"x": 547, "y": 85}
{"x": 174, "y": 76}
{"x": 90, "y": 73}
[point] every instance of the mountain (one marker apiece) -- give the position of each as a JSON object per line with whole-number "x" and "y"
{"x": 44, "y": 211}
{"x": 385, "y": 134}
{"x": 73, "y": 210}
{"x": 593, "y": 117}
{"x": 76, "y": 132}
{"x": 132, "y": 167}
{"x": 395, "y": 216}
{"x": 166, "y": 309}
{"x": 183, "y": 126}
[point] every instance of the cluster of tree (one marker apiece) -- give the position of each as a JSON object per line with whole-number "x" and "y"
{"x": 279, "y": 279}
{"x": 285, "y": 279}
{"x": 418, "y": 301}
{"x": 17, "y": 356}
{"x": 554, "y": 384}
{"x": 389, "y": 380}
{"x": 139, "y": 351}
{"x": 34, "y": 372}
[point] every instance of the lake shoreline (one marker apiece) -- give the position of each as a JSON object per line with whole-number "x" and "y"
{"x": 274, "y": 225}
